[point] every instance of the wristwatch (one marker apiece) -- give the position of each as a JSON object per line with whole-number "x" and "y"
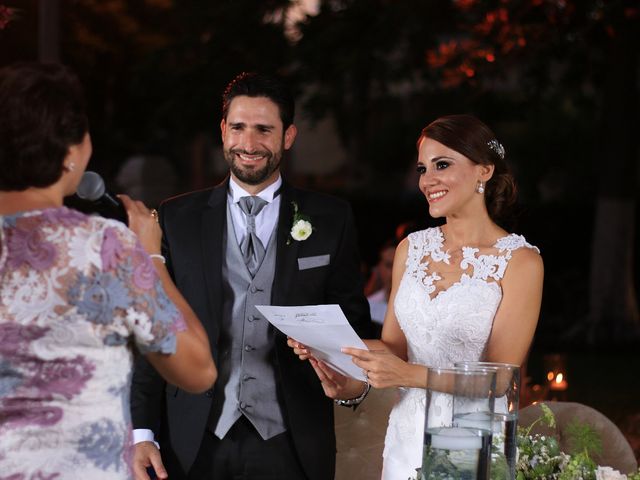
{"x": 354, "y": 401}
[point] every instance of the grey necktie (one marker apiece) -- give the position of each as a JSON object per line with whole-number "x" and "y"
{"x": 251, "y": 246}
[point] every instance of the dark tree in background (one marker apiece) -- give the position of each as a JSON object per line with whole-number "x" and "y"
{"x": 583, "y": 55}
{"x": 556, "y": 79}
{"x": 613, "y": 300}
{"x": 155, "y": 69}
{"x": 363, "y": 64}
{"x": 180, "y": 84}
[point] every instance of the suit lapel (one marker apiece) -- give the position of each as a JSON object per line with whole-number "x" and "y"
{"x": 213, "y": 228}
{"x": 286, "y": 255}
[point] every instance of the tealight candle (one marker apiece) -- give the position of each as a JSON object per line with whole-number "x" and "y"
{"x": 559, "y": 383}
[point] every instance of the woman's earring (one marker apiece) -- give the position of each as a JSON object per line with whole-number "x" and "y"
{"x": 71, "y": 167}
{"x": 480, "y": 187}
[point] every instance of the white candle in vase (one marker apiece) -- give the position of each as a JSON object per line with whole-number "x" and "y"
{"x": 483, "y": 420}
{"x": 456, "y": 438}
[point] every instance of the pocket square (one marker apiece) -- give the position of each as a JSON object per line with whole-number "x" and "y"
{"x": 305, "y": 263}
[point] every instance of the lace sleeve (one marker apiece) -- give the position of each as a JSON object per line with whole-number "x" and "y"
{"x": 414, "y": 250}
{"x": 149, "y": 315}
{"x": 514, "y": 242}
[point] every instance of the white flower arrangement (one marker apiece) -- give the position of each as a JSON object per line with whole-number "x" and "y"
{"x": 540, "y": 457}
{"x": 608, "y": 473}
{"x": 302, "y": 228}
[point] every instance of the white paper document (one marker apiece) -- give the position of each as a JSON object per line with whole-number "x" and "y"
{"x": 322, "y": 328}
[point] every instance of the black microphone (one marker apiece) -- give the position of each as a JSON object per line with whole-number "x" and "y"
{"x": 93, "y": 190}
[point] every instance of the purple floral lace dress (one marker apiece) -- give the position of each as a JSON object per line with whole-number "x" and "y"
{"x": 75, "y": 292}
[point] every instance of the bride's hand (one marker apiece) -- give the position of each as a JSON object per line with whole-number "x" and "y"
{"x": 386, "y": 370}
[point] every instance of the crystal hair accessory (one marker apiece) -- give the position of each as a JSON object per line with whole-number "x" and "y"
{"x": 497, "y": 147}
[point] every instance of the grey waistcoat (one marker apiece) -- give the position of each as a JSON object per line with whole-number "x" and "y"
{"x": 247, "y": 380}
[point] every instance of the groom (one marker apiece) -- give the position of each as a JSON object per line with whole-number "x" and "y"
{"x": 230, "y": 248}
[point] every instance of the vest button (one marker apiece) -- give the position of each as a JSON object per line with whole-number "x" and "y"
{"x": 248, "y": 348}
{"x": 209, "y": 393}
{"x": 247, "y": 377}
{"x": 244, "y": 405}
{"x": 254, "y": 289}
{"x": 253, "y": 318}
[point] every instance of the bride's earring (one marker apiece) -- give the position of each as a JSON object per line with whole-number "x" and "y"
{"x": 480, "y": 187}
{"x": 70, "y": 167}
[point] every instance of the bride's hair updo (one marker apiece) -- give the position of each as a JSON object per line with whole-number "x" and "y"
{"x": 470, "y": 137}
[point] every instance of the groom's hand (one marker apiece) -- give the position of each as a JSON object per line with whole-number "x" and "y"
{"x": 299, "y": 349}
{"x": 334, "y": 384}
{"x": 146, "y": 455}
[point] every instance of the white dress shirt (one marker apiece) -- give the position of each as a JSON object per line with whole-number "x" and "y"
{"x": 267, "y": 218}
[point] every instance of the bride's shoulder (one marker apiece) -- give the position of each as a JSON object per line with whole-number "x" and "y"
{"x": 402, "y": 251}
{"x": 525, "y": 271}
{"x": 513, "y": 242}
{"x": 525, "y": 260}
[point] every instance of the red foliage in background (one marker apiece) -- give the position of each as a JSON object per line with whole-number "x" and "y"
{"x": 6, "y": 15}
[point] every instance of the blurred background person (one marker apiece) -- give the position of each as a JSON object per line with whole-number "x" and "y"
{"x": 378, "y": 286}
{"x": 76, "y": 293}
{"x": 148, "y": 177}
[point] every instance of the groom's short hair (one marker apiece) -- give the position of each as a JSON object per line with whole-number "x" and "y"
{"x": 253, "y": 84}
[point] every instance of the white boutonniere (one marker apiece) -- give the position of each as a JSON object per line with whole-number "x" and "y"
{"x": 301, "y": 228}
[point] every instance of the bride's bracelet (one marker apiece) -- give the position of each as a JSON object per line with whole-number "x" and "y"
{"x": 354, "y": 401}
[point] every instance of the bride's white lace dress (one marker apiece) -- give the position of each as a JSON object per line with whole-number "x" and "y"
{"x": 445, "y": 305}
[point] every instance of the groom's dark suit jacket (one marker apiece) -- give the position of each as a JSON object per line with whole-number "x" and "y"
{"x": 193, "y": 226}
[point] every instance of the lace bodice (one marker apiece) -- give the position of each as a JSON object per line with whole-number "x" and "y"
{"x": 445, "y": 305}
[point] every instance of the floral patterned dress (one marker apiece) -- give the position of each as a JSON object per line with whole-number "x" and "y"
{"x": 75, "y": 292}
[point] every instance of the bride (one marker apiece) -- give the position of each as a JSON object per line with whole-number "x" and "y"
{"x": 467, "y": 290}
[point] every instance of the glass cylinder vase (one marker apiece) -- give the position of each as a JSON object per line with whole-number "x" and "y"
{"x": 454, "y": 451}
{"x": 505, "y": 416}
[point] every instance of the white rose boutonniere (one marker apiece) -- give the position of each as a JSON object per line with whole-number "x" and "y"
{"x": 302, "y": 228}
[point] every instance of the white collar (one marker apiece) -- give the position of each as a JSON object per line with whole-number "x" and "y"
{"x": 237, "y": 192}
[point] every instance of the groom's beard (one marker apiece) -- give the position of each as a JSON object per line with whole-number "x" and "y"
{"x": 253, "y": 175}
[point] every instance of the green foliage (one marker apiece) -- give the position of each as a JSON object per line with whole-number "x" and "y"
{"x": 499, "y": 465}
{"x": 547, "y": 415}
{"x": 634, "y": 476}
{"x": 539, "y": 456}
{"x": 580, "y": 467}
{"x": 438, "y": 465}
{"x": 583, "y": 438}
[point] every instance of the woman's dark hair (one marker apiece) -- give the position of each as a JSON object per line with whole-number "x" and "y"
{"x": 42, "y": 114}
{"x": 254, "y": 85}
{"x": 470, "y": 137}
